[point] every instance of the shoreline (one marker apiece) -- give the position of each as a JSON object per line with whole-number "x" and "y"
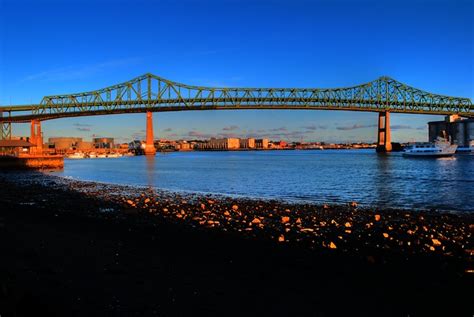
{"x": 290, "y": 201}
{"x": 366, "y": 267}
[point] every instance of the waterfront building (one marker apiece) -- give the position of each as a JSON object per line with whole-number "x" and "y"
{"x": 63, "y": 143}
{"x": 247, "y": 143}
{"x": 220, "y": 144}
{"x": 261, "y": 143}
{"x": 183, "y": 146}
{"x": 461, "y": 131}
{"x": 103, "y": 143}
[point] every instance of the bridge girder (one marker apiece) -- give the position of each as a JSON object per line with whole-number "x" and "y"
{"x": 153, "y": 93}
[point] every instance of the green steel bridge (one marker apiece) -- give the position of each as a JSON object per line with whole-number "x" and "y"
{"x": 151, "y": 93}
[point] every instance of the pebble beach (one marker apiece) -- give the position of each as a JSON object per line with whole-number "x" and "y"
{"x": 298, "y": 249}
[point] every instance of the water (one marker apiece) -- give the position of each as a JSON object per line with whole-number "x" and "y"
{"x": 317, "y": 176}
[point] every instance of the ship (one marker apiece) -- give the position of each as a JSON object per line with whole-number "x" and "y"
{"x": 442, "y": 147}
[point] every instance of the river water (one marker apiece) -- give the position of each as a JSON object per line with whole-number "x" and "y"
{"x": 337, "y": 176}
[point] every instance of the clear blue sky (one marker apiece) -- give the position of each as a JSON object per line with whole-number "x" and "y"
{"x": 54, "y": 47}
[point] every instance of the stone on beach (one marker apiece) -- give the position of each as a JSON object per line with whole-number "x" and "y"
{"x": 285, "y": 219}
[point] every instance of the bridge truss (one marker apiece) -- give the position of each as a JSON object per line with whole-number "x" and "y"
{"x": 153, "y": 93}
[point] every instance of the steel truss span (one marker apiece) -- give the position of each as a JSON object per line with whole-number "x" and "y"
{"x": 153, "y": 93}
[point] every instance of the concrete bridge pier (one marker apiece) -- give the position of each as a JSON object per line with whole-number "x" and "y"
{"x": 36, "y": 137}
{"x": 384, "y": 140}
{"x": 39, "y": 137}
{"x": 149, "y": 146}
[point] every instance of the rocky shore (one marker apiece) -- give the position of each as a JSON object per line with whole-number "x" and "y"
{"x": 79, "y": 248}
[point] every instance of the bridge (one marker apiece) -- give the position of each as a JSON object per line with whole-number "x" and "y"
{"x": 150, "y": 93}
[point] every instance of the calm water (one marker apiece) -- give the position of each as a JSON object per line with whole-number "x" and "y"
{"x": 317, "y": 176}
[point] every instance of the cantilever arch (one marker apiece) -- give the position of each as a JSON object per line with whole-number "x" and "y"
{"x": 149, "y": 146}
{"x": 384, "y": 140}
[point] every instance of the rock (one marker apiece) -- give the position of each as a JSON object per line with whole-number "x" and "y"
{"x": 353, "y": 204}
{"x": 235, "y": 207}
{"x": 298, "y": 221}
{"x": 377, "y": 217}
{"x": 165, "y": 209}
{"x": 256, "y": 221}
{"x": 306, "y": 230}
{"x": 203, "y": 207}
{"x": 285, "y": 219}
{"x": 385, "y": 235}
{"x": 347, "y": 225}
{"x": 130, "y": 202}
{"x": 436, "y": 242}
{"x": 226, "y": 213}
{"x": 281, "y": 238}
{"x": 147, "y": 201}
{"x": 332, "y": 245}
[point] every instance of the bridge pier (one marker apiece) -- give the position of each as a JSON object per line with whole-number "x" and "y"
{"x": 149, "y": 146}
{"x": 39, "y": 137}
{"x": 36, "y": 137}
{"x": 384, "y": 140}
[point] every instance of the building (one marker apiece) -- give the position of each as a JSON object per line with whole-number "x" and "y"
{"x": 261, "y": 143}
{"x": 183, "y": 146}
{"x": 461, "y": 131}
{"x": 247, "y": 143}
{"x": 220, "y": 144}
{"x": 15, "y": 147}
{"x": 103, "y": 143}
{"x": 63, "y": 143}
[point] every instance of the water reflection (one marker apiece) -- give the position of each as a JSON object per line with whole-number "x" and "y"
{"x": 150, "y": 161}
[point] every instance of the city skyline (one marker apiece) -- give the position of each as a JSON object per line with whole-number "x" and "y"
{"x": 426, "y": 51}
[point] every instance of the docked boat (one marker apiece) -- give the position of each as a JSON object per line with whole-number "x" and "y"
{"x": 92, "y": 155}
{"x": 442, "y": 147}
{"x": 102, "y": 155}
{"x": 114, "y": 155}
{"x": 465, "y": 150}
{"x": 76, "y": 156}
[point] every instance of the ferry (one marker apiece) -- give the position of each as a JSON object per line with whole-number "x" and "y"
{"x": 76, "y": 156}
{"x": 440, "y": 148}
{"x": 465, "y": 150}
{"x": 469, "y": 149}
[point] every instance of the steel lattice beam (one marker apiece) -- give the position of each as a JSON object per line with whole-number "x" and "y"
{"x": 153, "y": 93}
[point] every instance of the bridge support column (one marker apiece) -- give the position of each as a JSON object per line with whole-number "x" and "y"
{"x": 33, "y": 138}
{"x": 39, "y": 137}
{"x": 149, "y": 146}
{"x": 384, "y": 140}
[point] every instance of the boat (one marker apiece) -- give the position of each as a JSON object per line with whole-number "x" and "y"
{"x": 92, "y": 155}
{"x": 76, "y": 156}
{"x": 114, "y": 155}
{"x": 469, "y": 149}
{"x": 465, "y": 150}
{"x": 102, "y": 155}
{"x": 442, "y": 147}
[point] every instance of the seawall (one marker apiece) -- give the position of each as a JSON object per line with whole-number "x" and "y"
{"x": 32, "y": 162}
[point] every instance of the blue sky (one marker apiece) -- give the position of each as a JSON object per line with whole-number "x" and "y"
{"x": 55, "y": 47}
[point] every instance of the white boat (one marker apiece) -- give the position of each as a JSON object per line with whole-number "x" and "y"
{"x": 92, "y": 155}
{"x": 76, "y": 156}
{"x": 465, "y": 150}
{"x": 114, "y": 155}
{"x": 469, "y": 149}
{"x": 440, "y": 148}
{"x": 102, "y": 155}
